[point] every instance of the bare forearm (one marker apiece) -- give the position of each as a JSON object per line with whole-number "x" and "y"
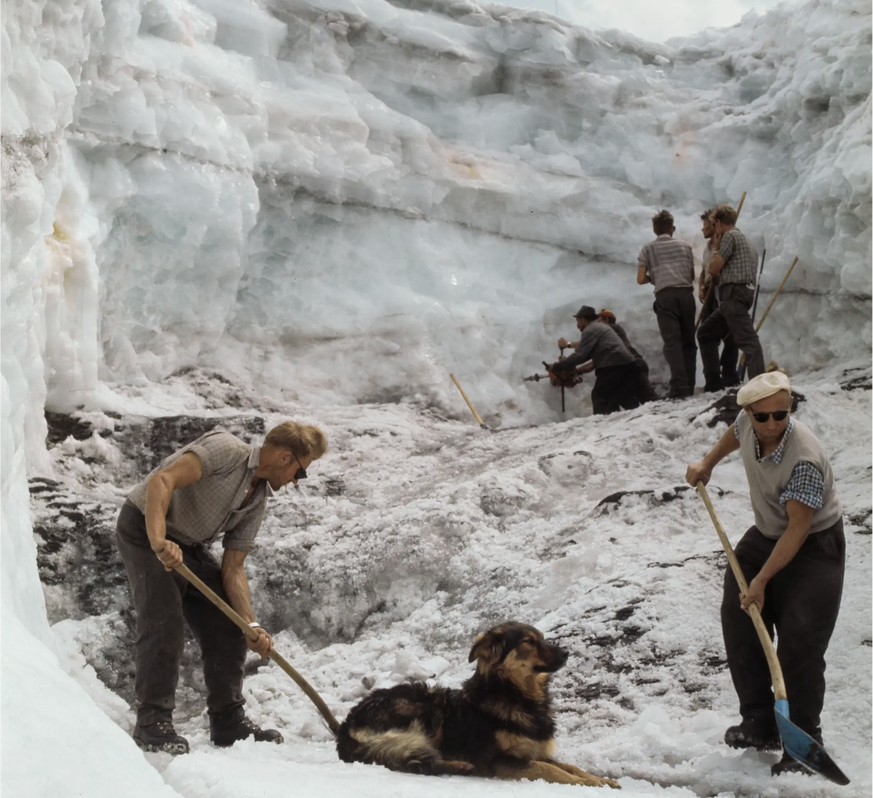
{"x": 716, "y": 265}
{"x": 727, "y": 444}
{"x": 702, "y": 469}
{"x": 236, "y": 585}
{"x": 158, "y": 495}
{"x": 785, "y": 550}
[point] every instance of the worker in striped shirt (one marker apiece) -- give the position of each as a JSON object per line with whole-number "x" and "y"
{"x": 668, "y": 264}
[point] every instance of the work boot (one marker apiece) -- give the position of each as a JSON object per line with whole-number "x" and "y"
{"x": 224, "y": 736}
{"x": 160, "y": 736}
{"x": 751, "y": 734}
{"x": 714, "y": 385}
{"x": 788, "y": 764}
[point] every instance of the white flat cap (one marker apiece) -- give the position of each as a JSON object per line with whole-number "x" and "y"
{"x": 761, "y": 387}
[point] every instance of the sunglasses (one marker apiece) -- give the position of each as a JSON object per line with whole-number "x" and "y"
{"x": 301, "y": 471}
{"x": 778, "y": 415}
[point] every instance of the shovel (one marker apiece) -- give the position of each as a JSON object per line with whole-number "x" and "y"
{"x": 795, "y": 741}
{"x": 307, "y": 688}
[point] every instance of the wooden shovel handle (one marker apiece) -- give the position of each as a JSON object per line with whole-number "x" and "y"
{"x": 469, "y": 403}
{"x": 251, "y": 634}
{"x": 754, "y": 612}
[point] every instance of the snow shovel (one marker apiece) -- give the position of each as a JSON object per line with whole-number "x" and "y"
{"x": 796, "y": 742}
{"x": 316, "y": 699}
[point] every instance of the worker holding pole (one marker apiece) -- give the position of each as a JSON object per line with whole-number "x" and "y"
{"x": 709, "y": 299}
{"x": 736, "y": 265}
{"x": 215, "y": 487}
{"x": 793, "y": 558}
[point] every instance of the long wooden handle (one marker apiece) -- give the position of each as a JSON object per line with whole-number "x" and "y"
{"x": 763, "y": 635}
{"x": 778, "y": 290}
{"x": 251, "y": 634}
{"x": 469, "y": 404}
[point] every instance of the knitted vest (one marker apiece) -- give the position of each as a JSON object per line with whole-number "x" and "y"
{"x": 767, "y": 480}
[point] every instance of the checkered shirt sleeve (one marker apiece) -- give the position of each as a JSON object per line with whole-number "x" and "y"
{"x": 805, "y": 486}
{"x": 740, "y": 259}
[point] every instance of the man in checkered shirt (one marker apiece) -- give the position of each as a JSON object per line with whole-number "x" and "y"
{"x": 736, "y": 266}
{"x": 668, "y": 264}
{"x": 215, "y": 487}
{"x": 794, "y": 558}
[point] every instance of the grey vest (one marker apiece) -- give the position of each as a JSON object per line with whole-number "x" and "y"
{"x": 768, "y": 480}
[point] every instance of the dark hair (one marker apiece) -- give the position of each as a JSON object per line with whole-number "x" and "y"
{"x": 662, "y": 222}
{"x": 707, "y": 215}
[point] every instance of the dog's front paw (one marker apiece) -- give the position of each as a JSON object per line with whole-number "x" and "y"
{"x": 609, "y": 783}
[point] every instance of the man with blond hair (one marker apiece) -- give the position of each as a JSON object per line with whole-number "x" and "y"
{"x": 793, "y": 559}
{"x": 216, "y": 486}
{"x": 668, "y": 264}
{"x": 735, "y": 265}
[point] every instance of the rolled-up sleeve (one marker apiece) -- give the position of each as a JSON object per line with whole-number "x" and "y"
{"x": 805, "y": 486}
{"x": 241, "y": 537}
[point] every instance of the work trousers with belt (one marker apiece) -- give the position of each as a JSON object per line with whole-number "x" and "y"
{"x": 731, "y": 317}
{"x": 801, "y": 603}
{"x": 162, "y": 600}
{"x": 675, "y": 309}
{"x": 730, "y": 352}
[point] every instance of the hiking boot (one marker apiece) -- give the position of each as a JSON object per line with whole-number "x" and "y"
{"x": 160, "y": 736}
{"x": 242, "y": 730}
{"x": 750, "y": 734}
{"x": 788, "y": 764}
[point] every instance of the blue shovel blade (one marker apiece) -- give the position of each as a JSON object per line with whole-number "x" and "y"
{"x": 804, "y": 748}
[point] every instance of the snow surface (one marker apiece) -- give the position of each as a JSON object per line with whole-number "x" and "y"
{"x": 336, "y": 203}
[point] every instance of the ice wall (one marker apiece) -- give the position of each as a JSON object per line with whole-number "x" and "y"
{"x": 42, "y": 49}
{"x": 344, "y": 201}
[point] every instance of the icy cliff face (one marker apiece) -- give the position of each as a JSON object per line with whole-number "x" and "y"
{"x": 293, "y": 191}
{"x": 343, "y": 201}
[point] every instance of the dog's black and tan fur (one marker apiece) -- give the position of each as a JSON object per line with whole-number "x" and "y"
{"x": 499, "y": 724}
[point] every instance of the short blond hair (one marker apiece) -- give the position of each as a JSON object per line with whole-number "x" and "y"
{"x": 725, "y": 214}
{"x": 300, "y": 439}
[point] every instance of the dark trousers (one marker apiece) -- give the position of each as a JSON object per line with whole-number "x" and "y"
{"x": 644, "y": 391}
{"x": 161, "y": 600}
{"x": 615, "y": 388}
{"x": 730, "y": 352}
{"x": 731, "y": 317}
{"x": 801, "y": 602}
{"x": 675, "y": 310}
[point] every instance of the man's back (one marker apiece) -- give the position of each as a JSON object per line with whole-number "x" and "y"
{"x": 669, "y": 263}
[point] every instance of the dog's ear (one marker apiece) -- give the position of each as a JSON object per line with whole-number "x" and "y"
{"x": 488, "y": 649}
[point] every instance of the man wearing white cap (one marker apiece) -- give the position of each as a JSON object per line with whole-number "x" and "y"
{"x": 793, "y": 558}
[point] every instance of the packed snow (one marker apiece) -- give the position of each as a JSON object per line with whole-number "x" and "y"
{"x": 246, "y": 212}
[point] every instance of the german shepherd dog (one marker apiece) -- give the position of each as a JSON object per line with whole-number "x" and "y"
{"x": 498, "y": 725}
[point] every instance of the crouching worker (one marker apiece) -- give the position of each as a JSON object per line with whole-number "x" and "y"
{"x": 217, "y": 485}
{"x": 644, "y": 391}
{"x": 793, "y": 558}
{"x": 615, "y": 369}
